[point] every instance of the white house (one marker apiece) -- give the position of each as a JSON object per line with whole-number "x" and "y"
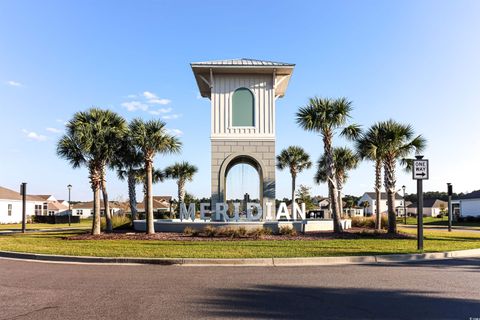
{"x": 431, "y": 207}
{"x": 51, "y": 205}
{"x": 369, "y": 197}
{"x": 85, "y": 209}
{"x": 470, "y": 204}
{"x": 11, "y": 206}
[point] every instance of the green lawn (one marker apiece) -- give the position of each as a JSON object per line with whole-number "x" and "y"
{"x": 53, "y": 243}
{"x": 437, "y": 222}
{"x": 85, "y": 223}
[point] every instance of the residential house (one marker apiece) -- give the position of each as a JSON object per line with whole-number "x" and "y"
{"x": 469, "y": 204}
{"x": 85, "y": 209}
{"x": 322, "y": 208}
{"x": 431, "y": 207}
{"x": 369, "y": 197}
{"x": 355, "y": 211}
{"x": 51, "y": 206}
{"x": 160, "y": 204}
{"x": 11, "y": 206}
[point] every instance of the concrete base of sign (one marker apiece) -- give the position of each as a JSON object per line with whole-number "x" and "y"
{"x": 176, "y": 225}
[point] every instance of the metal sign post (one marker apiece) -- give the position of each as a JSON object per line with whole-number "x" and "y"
{"x": 420, "y": 173}
{"x": 450, "y": 213}
{"x": 23, "y": 192}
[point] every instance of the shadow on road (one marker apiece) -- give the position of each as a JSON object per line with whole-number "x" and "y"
{"x": 289, "y": 302}
{"x": 468, "y": 264}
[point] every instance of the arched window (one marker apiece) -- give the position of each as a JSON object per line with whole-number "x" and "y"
{"x": 242, "y": 108}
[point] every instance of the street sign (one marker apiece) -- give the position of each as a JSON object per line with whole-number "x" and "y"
{"x": 420, "y": 169}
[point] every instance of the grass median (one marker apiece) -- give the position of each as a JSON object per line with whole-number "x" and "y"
{"x": 84, "y": 224}
{"x": 56, "y": 243}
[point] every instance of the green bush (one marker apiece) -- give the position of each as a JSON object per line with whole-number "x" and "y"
{"x": 191, "y": 232}
{"x": 287, "y": 231}
{"x": 118, "y": 222}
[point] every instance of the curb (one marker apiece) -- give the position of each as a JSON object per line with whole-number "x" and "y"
{"x": 271, "y": 262}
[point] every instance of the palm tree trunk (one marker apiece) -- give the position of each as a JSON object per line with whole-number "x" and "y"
{"x": 149, "y": 198}
{"x": 390, "y": 188}
{"x": 132, "y": 194}
{"x": 378, "y": 188}
{"x": 106, "y": 204}
{"x": 181, "y": 190}
{"x": 340, "y": 200}
{"x": 332, "y": 182}
{"x": 294, "y": 178}
{"x": 95, "y": 181}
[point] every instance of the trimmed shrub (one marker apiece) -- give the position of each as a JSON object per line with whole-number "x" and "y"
{"x": 191, "y": 232}
{"x": 287, "y": 231}
{"x": 259, "y": 232}
{"x": 369, "y": 222}
{"x": 118, "y": 222}
{"x": 210, "y": 231}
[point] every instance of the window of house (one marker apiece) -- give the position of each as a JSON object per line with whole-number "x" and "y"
{"x": 79, "y": 212}
{"x": 9, "y": 209}
{"x": 38, "y": 209}
{"x": 243, "y": 108}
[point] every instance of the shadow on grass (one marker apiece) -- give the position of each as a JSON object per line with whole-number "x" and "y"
{"x": 291, "y": 302}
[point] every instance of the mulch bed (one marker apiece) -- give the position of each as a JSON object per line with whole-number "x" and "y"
{"x": 354, "y": 233}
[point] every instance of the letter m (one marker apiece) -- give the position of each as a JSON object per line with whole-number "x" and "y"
{"x": 187, "y": 214}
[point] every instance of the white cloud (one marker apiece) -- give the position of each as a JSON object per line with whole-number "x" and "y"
{"x": 14, "y": 83}
{"x": 135, "y": 105}
{"x": 34, "y": 136}
{"x": 171, "y": 116}
{"x": 54, "y": 130}
{"x": 175, "y": 132}
{"x": 160, "y": 111}
{"x": 152, "y": 98}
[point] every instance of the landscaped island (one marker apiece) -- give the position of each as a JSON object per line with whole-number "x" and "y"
{"x": 356, "y": 242}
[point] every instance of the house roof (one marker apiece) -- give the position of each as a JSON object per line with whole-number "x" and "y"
{"x": 205, "y": 72}
{"x": 56, "y": 206}
{"x": 383, "y": 195}
{"x": 159, "y": 202}
{"x": 429, "y": 203}
{"x": 89, "y": 205}
{"x": 44, "y": 197}
{"x": 471, "y": 195}
{"x": 8, "y": 194}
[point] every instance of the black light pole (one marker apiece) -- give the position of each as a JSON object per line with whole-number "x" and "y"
{"x": 450, "y": 213}
{"x": 404, "y": 206}
{"x": 23, "y": 191}
{"x": 69, "y": 205}
{"x": 171, "y": 202}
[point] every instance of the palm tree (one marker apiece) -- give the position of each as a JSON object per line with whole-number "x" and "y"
{"x": 344, "y": 160}
{"x": 128, "y": 165}
{"x": 369, "y": 146}
{"x": 183, "y": 172}
{"x": 92, "y": 138}
{"x": 296, "y": 160}
{"x": 326, "y": 116}
{"x": 398, "y": 142}
{"x": 150, "y": 138}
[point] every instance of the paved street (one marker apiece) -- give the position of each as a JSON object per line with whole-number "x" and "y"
{"x": 428, "y": 290}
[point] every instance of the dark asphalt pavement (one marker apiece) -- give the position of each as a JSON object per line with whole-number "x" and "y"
{"x": 428, "y": 290}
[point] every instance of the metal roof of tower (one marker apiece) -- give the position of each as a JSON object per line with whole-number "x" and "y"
{"x": 204, "y": 72}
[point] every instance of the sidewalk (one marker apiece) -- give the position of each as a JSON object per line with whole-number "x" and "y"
{"x": 13, "y": 231}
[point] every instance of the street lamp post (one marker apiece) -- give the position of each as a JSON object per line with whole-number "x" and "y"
{"x": 450, "y": 212}
{"x": 69, "y": 204}
{"x": 404, "y": 205}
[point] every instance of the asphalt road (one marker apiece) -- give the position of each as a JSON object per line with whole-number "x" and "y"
{"x": 428, "y": 290}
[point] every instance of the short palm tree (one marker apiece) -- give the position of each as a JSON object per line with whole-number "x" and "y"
{"x": 296, "y": 160}
{"x": 151, "y": 137}
{"x": 326, "y": 116}
{"x": 369, "y": 146}
{"x": 398, "y": 142}
{"x": 182, "y": 172}
{"x": 128, "y": 164}
{"x": 92, "y": 139}
{"x": 344, "y": 160}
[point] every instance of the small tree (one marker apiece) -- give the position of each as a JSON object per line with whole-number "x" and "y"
{"x": 182, "y": 172}
{"x": 303, "y": 194}
{"x": 296, "y": 160}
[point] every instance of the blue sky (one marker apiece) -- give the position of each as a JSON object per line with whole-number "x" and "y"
{"x": 413, "y": 61}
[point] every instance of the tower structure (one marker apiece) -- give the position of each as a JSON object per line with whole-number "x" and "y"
{"x": 242, "y": 94}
